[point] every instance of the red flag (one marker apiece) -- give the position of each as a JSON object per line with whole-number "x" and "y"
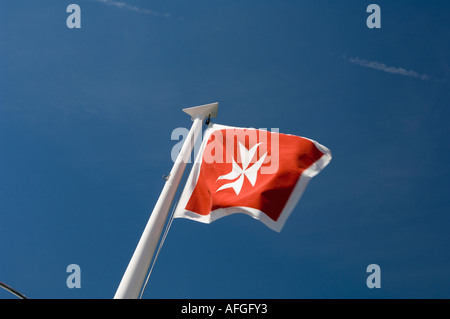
{"x": 256, "y": 172}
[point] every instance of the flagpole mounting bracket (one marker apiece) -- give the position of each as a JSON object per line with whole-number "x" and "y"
{"x": 208, "y": 120}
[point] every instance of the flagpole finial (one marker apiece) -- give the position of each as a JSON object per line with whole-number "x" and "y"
{"x": 203, "y": 111}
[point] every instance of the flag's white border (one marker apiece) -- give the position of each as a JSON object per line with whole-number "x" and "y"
{"x": 313, "y": 170}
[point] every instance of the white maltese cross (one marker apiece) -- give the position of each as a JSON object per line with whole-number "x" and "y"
{"x": 239, "y": 173}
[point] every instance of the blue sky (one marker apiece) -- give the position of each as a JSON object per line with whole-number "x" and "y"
{"x": 86, "y": 117}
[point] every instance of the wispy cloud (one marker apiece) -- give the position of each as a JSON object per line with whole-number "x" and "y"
{"x": 389, "y": 69}
{"x": 126, "y": 6}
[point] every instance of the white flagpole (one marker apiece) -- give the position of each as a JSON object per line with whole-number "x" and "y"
{"x": 134, "y": 276}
